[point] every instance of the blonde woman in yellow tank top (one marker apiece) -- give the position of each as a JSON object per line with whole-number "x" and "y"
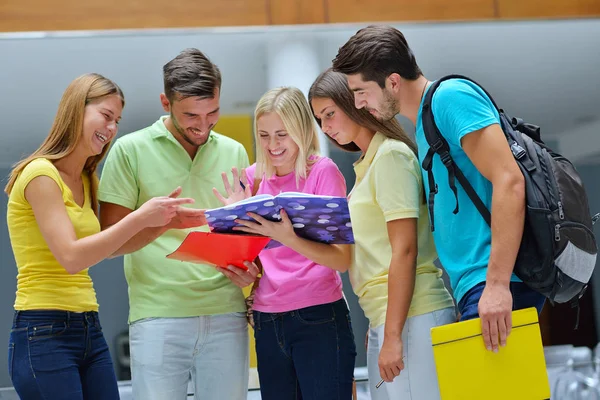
{"x": 56, "y": 348}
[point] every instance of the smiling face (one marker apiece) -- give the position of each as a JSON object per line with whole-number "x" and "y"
{"x": 100, "y": 123}
{"x": 276, "y": 143}
{"x": 334, "y": 122}
{"x": 370, "y": 96}
{"x": 191, "y": 119}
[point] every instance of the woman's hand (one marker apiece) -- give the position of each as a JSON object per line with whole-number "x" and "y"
{"x": 159, "y": 211}
{"x": 391, "y": 359}
{"x": 236, "y": 192}
{"x": 282, "y": 231}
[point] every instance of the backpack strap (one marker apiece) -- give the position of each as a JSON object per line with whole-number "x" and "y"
{"x": 439, "y": 145}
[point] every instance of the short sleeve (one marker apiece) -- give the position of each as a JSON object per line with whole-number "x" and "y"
{"x": 37, "y": 167}
{"x": 459, "y": 109}
{"x": 329, "y": 179}
{"x": 397, "y": 184}
{"x": 118, "y": 181}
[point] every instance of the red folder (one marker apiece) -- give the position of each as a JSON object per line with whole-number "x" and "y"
{"x": 220, "y": 249}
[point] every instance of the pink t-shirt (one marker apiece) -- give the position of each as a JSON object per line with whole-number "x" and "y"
{"x": 291, "y": 281}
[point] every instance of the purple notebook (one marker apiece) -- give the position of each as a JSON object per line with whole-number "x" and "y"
{"x": 324, "y": 219}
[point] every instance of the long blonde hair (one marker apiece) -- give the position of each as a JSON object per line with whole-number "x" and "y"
{"x": 291, "y": 106}
{"x": 67, "y": 128}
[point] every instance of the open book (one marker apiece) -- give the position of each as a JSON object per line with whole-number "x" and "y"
{"x": 324, "y": 219}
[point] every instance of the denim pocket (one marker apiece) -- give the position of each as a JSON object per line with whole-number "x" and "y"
{"x": 139, "y": 321}
{"x": 239, "y": 314}
{"x": 11, "y": 356}
{"x": 316, "y": 315}
{"x": 45, "y": 330}
{"x": 444, "y": 316}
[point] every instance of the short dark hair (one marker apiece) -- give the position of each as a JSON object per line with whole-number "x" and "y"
{"x": 191, "y": 74}
{"x": 376, "y": 52}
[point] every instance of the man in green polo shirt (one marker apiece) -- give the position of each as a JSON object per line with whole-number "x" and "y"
{"x": 186, "y": 320}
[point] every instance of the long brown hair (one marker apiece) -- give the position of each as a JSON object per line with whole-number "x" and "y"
{"x": 67, "y": 128}
{"x": 334, "y": 85}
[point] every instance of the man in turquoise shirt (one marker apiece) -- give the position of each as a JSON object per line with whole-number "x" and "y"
{"x": 186, "y": 320}
{"x": 385, "y": 78}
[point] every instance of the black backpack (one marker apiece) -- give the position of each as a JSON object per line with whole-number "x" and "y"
{"x": 558, "y": 251}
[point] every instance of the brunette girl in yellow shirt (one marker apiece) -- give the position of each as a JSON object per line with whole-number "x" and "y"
{"x": 393, "y": 273}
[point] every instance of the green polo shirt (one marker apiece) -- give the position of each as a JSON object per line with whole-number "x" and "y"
{"x": 150, "y": 163}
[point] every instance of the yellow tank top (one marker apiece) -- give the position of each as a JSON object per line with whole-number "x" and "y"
{"x": 42, "y": 283}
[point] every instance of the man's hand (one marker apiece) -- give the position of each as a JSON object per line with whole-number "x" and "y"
{"x": 238, "y": 276}
{"x": 187, "y": 218}
{"x": 495, "y": 311}
{"x": 391, "y": 361}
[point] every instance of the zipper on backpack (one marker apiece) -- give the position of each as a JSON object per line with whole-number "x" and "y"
{"x": 570, "y": 224}
{"x": 561, "y": 213}
{"x": 576, "y": 225}
{"x": 547, "y": 160}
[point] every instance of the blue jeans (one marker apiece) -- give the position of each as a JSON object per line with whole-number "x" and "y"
{"x": 305, "y": 354}
{"x": 523, "y": 297}
{"x": 60, "y": 355}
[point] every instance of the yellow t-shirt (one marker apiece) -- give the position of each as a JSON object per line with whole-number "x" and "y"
{"x": 42, "y": 283}
{"x": 389, "y": 187}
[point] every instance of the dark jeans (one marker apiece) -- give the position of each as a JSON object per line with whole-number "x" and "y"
{"x": 306, "y": 354}
{"x": 60, "y": 355}
{"x": 523, "y": 297}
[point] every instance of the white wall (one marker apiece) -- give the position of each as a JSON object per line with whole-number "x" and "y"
{"x": 544, "y": 71}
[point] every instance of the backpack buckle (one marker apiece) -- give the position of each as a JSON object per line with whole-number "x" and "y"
{"x": 446, "y": 158}
{"x": 437, "y": 145}
{"x": 517, "y": 150}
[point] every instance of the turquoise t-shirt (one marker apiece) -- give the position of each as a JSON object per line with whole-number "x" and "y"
{"x": 462, "y": 240}
{"x": 149, "y": 163}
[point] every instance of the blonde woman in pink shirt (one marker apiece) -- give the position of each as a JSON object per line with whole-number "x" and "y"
{"x": 304, "y": 341}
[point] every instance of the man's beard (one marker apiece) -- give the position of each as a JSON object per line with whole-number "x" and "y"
{"x": 389, "y": 107}
{"x": 181, "y": 131}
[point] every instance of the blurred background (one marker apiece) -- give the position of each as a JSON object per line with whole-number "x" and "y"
{"x": 540, "y": 61}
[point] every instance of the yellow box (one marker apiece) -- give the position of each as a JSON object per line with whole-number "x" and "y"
{"x": 467, "y": 371}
